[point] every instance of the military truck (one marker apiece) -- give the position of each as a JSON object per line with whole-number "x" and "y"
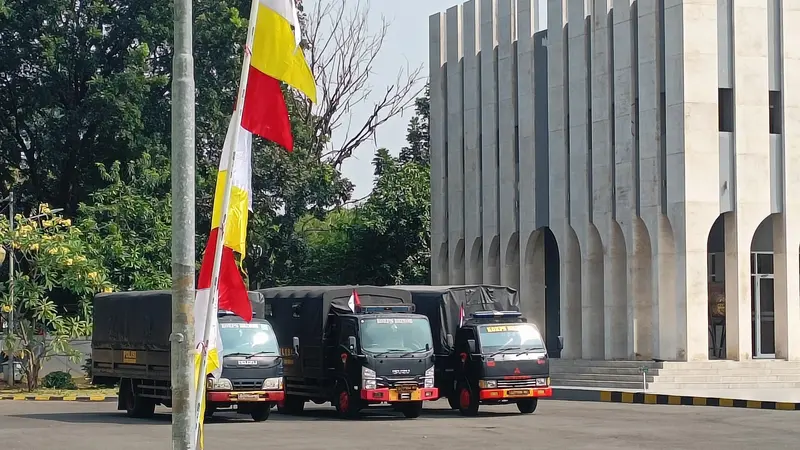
{"x": 486, "y": 351}
{"x": 353, "y": 346}
{"x": 131, "y": 347}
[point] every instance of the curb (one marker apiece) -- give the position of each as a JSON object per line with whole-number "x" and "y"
{"x": 585, "y": 395}
{"x": 60, "y": 398}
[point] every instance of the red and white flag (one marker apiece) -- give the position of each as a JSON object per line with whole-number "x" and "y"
{"x": 461, "y": 316}
{"x": 353, "y": 301}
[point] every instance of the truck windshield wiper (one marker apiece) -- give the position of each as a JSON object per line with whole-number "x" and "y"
{"x": 250, "y": 355}
{"x": 528, "y": 350}
{"x": 412, "y": 352}
{"x": 390, "y": 350}
{"x": 503, "y": 350}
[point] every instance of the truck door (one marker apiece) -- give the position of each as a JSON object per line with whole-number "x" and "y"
{"x": 465, "y": 361}
{"x": 348, "y": 363}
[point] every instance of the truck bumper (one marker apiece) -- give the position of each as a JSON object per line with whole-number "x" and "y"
{"x": 515, "y": 394}
{"x": 392, "y": 395}
{"x": 244, "y": 397}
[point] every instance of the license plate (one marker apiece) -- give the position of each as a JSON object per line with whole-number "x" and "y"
{"x": 247, "y": 397}
{"x": 402, "y": 388}
{"x": 518, "y": 392}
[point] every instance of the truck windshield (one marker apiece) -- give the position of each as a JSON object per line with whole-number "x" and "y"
{"x": 522, "y": 336}
{"x": 247, "y": 338}
{"x": 387, "y": 335}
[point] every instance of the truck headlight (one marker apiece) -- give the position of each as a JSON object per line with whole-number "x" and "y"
{"x": 429, "y": 378}
{"x": 541, "y": 382}
{"x": 368, "y": 380}
{"x": 488, "y": 384}
{"x": 273, "y": 384}
{"x": 223, "y": 384}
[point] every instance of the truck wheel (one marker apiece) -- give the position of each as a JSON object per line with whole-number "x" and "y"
{"x": 347, "y": 405}
{"x": 452, "y": 400}
{"x": 468, "y": 402}
{"x": 261, "y": 412}
{"x": 209, "y": 412}
{"x": 412, "y": 410}
{"x": 139, "y": 407}
{"x": 528, "y": 405}
{"x": 292, "y": 405}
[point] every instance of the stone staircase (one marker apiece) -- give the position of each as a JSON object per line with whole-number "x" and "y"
{"x": 672, "y": 376}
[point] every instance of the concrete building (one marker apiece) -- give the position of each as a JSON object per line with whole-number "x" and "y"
{"x": 632, "y": 167}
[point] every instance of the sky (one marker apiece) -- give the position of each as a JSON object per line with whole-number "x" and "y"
{"x": 406, "y": 42}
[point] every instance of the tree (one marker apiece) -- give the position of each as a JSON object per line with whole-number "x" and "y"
{"x": 341, "y": 50}
{"x": 385, "y": 239}
{"x": 128, "y": 223}
{"x": 56, "y": 278}
{"x": 80, "y": 83}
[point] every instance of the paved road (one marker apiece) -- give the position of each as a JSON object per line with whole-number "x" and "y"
{"x": 556, "y": 425}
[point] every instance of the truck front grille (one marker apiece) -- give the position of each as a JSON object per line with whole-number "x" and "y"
{"x": 516, "y": 384}
{"x": 241, "y": 385}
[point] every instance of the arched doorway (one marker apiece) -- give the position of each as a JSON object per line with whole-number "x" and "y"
{"x": 716, "y": 289}
{"x": 762, "y": 288}
{"x": 541, "y": 282}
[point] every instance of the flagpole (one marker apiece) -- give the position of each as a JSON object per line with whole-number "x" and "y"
{"x": 226, "y": 199}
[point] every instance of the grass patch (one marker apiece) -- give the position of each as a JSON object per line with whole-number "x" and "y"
{"x": 82, "y": 389}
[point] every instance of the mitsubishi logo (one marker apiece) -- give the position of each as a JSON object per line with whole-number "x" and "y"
{"x": 516, "y": 371}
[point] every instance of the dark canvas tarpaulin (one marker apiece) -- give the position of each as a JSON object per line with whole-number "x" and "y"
{"x": 140, "y": 320}
{"x": 441, "y": 304}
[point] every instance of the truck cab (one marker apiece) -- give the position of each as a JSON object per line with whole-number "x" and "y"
{"x": 390, "y": 353}
{"x": 252, "y": 368}
{"x": 353, "y": 346}
{"x": 499, "y": 358}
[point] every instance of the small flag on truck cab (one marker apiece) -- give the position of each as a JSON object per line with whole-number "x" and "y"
{"x": 461, "y": 316}
{"x": 353, "y": 302}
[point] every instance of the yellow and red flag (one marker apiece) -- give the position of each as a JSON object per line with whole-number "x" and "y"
{"x": 275, "y": 57}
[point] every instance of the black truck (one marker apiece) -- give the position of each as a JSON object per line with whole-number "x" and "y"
{"x": 352, "y": 346}
{"x": 486, "y": 352}
{"x": 131, "y": 346}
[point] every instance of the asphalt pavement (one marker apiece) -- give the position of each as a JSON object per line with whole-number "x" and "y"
{"x": 555, "y": 425}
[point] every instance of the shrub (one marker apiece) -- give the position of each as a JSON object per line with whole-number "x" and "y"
{"x": 58, "y": 380}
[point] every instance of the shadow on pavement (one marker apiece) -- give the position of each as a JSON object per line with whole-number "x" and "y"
{"x": 96, "y": 417}
{"x": 165, "y": 418}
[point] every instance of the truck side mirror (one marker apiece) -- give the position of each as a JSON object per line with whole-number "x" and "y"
{"x": 351, "y": 343}
{"x": 472, "y": 346}
{"x": 296, "y": 345}
{"x": 560, "y": 343}
{"x": 449, "y": 340}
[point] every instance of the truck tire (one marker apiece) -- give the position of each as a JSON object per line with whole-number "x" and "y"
{"x": 260, "y": 413}
{"x": 347, "y": 405}
{"x": 527, "y": 406}
{"x": 412, "y": 410}
{"x": 138, "y": 407}
{"x": 468, "y": 401}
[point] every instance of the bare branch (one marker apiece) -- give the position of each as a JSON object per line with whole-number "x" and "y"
{"x": 341, "y": 50}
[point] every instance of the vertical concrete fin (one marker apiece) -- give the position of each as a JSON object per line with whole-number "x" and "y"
{"x": 438, "y": 143}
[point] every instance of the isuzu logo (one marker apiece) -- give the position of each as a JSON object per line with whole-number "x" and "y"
{"x": 401, "y": 371}
{"x": 247, "y": 362}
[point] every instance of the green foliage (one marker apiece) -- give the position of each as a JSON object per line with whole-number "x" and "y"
{"x": 55, "y": 279}
{"x": 128, "y": 222}
{"x": 80, "y": 83}
{"x": 58, "y": 380}
{"x": 385, "y": 240}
